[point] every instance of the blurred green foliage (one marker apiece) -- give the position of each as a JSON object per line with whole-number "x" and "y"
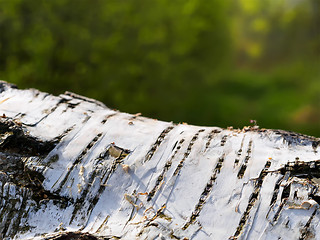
{"x": 217, "y": 63}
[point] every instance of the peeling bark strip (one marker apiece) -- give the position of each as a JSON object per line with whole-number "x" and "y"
{"x": 25, "y": 178}
{"x": 157, "y": 143}
{"x": 16, "y": 146}
{"x": 107, "y": 117}
{"x": 65, "y": 133}
{"x": 101, "y": 174}
{"x": 106, "y": 176}
{"x": 276, "y": 191}
{"x": 14, "y": 139}
{"x": 277, "y": 215}
{"x": 164, "y": 171}
{"x": 246, "y": 160}
{"x": 86, "y": 99}
{"x": 205, "y": 194}
{"x": 80, "y": 201}
{"x": 302, "y": 169}
{"x": 103, "y": 224}
{"x": 50, "y": 111}
{"x": 78, "y": 160}
{"x": 286, "y": 192}
{"x": 283, "y": 200}
{"x": 30, "y": 210}
{"x": 252, "y": 200}
{"x": 292, "y": 138}
{"x": 151, "y": 223}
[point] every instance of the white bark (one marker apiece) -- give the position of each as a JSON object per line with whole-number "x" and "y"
{"x": 70, "y": 164}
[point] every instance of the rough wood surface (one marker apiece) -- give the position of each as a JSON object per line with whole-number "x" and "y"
{"x": 71, "y": 168}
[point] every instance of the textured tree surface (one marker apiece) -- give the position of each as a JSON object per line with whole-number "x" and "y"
{"x": 71, "y": 168}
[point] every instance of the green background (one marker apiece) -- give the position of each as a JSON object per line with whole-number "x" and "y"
{"x": 217, "y": 63}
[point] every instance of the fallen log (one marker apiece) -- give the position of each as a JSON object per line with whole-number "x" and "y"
{"x": 71, "y": 168}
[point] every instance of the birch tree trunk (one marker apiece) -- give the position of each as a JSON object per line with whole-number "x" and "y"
{"x": 72, "y": 168}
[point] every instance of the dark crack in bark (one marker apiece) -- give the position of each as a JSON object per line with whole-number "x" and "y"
{"x": 306, "y": 233}
{"x": 187, "y": 153}
{"x": 246, "y": 160}
{"x": 211, "y": 135}
{"x": 239, "y": 153}
{"x": 79, "y": 236}
{"x": 205, "y": 194}
{"x": 79, "y": 159}
{"x": 161, "y": 176}
{"x": 157, "y": 143}
{"x": 293, "y": 138}
{"x": 252, "y": 200}
{"x": 114, "y": 155}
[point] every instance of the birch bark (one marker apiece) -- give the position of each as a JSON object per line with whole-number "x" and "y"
{"x": 71, "y": 167}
